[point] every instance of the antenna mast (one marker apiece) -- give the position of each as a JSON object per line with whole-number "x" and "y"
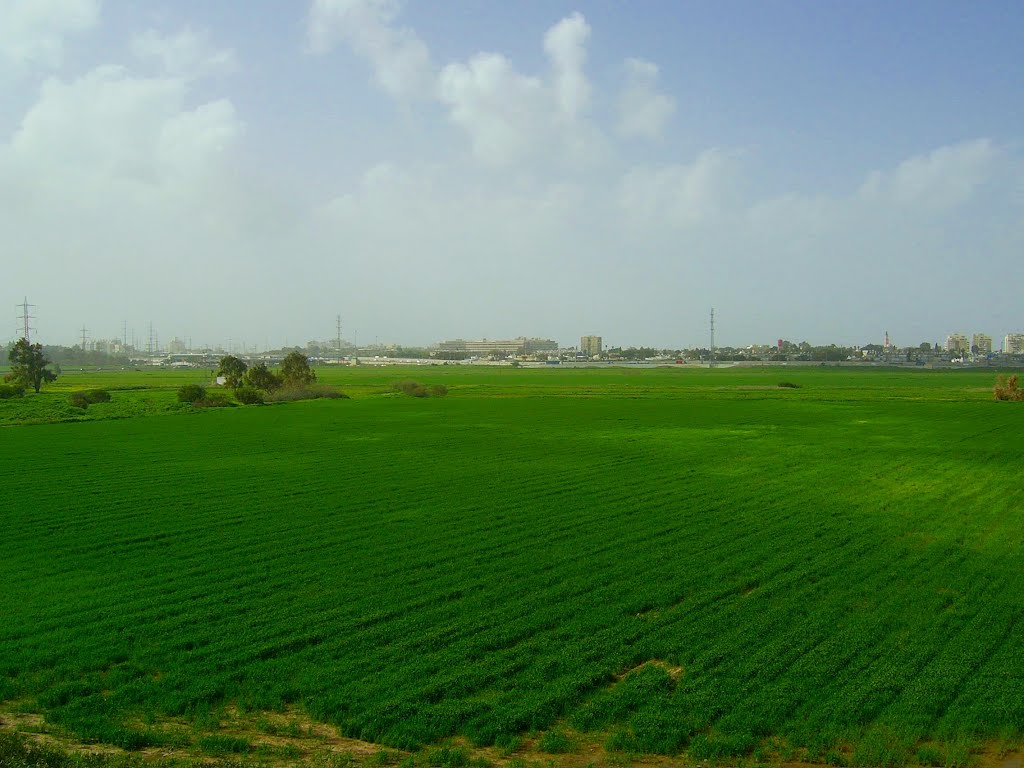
{"x": 339, "y": 338}
{"x": 712, "y": 365}
{"x": 25, "y": 318}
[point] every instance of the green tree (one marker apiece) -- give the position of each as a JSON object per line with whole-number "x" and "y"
{"x": 28, "y": 365}
{"x": 232, "y": 369}
{"x": 295, "y": 370}
{"x": 260, "y": 377}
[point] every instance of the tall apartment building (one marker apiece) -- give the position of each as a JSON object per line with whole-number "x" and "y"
{"x": 590, "y": 345}
{"x": 1013, "y": 344}
{"x": 957, "y": 342}
{"x": 981, "y": 344}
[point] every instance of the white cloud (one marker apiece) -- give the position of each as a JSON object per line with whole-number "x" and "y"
{"x": 32, "y": 32}
{"x": 679, "y": 195}
{"x": 940, "y": 180}
{"x": 400, "y": 59}
{"x": 111, "y": 125}
{"x": 511, "y": 117}
{"x": 187, "y": 54}
{"x": 503, "y": 112}
{"x": 643, "y": 110}
{"x": 565, "y": 45}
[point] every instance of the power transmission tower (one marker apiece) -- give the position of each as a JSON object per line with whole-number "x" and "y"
{"x": 150, "y": 338}
{"x": 712, "y": 365}
{"x": 124, "y": 335}
{"x": 25, "y": 318}
{"x": 339, "y": 338}
{"x": 84, "y": 332}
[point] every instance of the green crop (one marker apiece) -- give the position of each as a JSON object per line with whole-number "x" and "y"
{"x": 669, "y": 561}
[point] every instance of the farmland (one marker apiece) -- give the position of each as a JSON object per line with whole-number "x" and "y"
{"x": 659, "y": 561}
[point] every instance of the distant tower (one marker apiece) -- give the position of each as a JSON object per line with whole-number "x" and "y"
{"x": 712, "y": 361}
{"x": 887, "y": 343}
{"x": 25, "y": 318}
{"x": 339, "y": 338}
{"x": 84, "y": 336}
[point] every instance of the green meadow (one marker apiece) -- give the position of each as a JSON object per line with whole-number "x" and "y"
{"x": 678, "y": 562}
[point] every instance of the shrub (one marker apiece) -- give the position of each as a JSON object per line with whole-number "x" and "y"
{"x": 8, "y": 391}
{"x": 788, "y": 385}
{"x": 97, "y": 396}
{"x": 416, "y": 389}
{"x": 79, "y": 400}
{"x": 213, "y": 401}
{"x": 309, "y": 392}
{"x": 249, "y": 396}
{"x": 1009, "y": 389}
{"x": 191, "y": 393}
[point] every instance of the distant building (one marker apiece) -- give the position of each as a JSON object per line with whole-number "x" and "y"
{"x": 590, "y": 345}
{"x": 1013, "y": 344}
{"x": 981, "y": 344}
{"x": 483, "y": 347}
{"x": 957, "y": 343}
{"x": 177, "y": 346}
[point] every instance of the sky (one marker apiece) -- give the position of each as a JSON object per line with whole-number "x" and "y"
{"x": 245, "y": 172}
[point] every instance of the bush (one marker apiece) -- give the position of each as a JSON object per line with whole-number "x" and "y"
{"x": 416, "y": 389}
{"x": 1009, "y": 389}
{"x": 788, "y": 385}
{"x": 8, "y": 391}
{"x": 79, "y": 400}
{"x": 97, "y": 396}
{"x": 214, "y": 401}
{"x": 310, "y": 392}
{"x": 191, "y": 393}
{"x": 249, "y": 396}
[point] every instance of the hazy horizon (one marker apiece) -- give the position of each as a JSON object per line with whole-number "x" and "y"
{"x": 434, "y": 171}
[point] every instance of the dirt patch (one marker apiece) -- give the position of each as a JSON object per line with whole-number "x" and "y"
{"x": 674, "y": 672}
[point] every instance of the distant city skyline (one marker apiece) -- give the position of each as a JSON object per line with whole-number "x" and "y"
{"x": 819, "y": 170}
{"x": 139, "y": 340}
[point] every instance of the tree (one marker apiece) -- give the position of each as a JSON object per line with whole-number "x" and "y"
{"x": 295, "y": 370}
{"x": 232, "y": 369}
{"x": 28, "y": 365}
{"x": 261, "y": 378}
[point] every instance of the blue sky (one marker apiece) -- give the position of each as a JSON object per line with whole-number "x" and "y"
{"x": 816, "y": 171}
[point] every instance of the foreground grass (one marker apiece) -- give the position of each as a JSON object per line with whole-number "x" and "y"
{"x": 655, "y": 562}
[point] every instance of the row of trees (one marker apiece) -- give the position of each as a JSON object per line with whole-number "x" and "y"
{"x": 295, "y": 372}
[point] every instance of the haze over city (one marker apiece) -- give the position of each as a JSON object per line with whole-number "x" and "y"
{"x": 470, "y": 169}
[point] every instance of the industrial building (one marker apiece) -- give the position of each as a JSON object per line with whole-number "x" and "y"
{"x": 483, "y": 347}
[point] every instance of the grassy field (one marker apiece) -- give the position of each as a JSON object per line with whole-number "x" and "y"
{"x": 662, "y": 561}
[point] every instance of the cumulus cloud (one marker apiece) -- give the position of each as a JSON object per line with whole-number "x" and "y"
{"x": 188, "y": 54}
{"x": 939, "y": 180}
{"x": 400, "y": 59}
{"x": 32, "y": 32}
{"x": 643, "y": 110}
{"x": 110, "y": 124}
{"x": 565, "y": 45}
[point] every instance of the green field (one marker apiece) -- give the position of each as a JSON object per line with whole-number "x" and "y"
{"x": 663, "y": 561}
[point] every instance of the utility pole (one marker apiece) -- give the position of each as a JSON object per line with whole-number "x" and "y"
{"x": 25, "y": 318}
{"x": 339, "y": 338}
{"x": 712, "y": 362}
